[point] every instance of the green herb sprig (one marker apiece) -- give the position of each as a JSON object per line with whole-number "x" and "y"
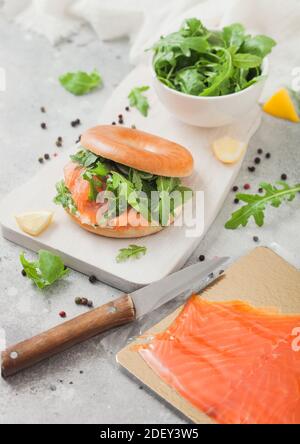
{"x": 256, "y": 204}
{"x": 132, "y": 252}
{"x": 80, "y": 83}
{"x": 138, "y": 100}
{"x": 48, "y": 269}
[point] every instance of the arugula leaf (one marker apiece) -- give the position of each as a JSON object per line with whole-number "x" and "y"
{"x": 92, "y": 175}
{"x": 133, "y": 251}
{"x": 256, "y": 204}
{"x": 234, "y": 35}
{"x": 84, "y": 158}
{"x": 138, "y": 100}
{"x": 64, "y": 197}
{"x": 260, "y": 45}
{"x": 46, "y": 270}
{"x": 246, "y": 61}
{"x": 80, "y": 83}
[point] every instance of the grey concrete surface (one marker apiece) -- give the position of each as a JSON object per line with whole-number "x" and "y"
{"x": 84, "y": 385}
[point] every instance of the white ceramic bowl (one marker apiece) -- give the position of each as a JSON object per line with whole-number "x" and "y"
{"x": 210, "y": 111}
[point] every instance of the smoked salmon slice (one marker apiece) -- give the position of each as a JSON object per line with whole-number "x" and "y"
{"x": 233, "y": 362}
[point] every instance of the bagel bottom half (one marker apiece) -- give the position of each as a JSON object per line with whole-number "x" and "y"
{"x": 122, "y": 232}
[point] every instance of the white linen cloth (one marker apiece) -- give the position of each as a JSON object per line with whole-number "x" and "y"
{"x": 143, "y": 21}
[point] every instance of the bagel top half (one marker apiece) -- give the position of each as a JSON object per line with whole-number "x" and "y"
{"x": 139, "y": 150}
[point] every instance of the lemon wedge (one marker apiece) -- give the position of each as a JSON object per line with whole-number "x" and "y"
{"x": 228, "y": 150}
{"x": 35, "y": 222}
{"x": 281, "y": 105}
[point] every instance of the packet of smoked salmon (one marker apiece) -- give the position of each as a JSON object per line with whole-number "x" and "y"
{"x": 233, "y": 362}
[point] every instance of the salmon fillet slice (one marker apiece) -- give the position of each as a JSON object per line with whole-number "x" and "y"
{"x": 232, "y": 361}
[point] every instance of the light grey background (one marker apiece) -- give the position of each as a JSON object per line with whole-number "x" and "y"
{"x": 56, "y": 391}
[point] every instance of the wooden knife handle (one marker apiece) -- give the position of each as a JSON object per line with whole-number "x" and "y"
{"x": 64, "y": 336}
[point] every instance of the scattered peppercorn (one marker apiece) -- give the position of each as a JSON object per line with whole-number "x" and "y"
{"x": 113, "y": 123}
{"x": 127, "y": 108}
{"x": 78, "y": 301}
{"x": 24, "y": 273}
{"x": 260, "y": 190}
{"x": 247, "y": 186}
{"x": 283, "y": 176}
{"x": 60, "y": 139}
{"x": 255, "y": 238}
{"x": 71, "y": 382}
{"x": 75, "y": 123}
{"x": 201, "y": 258}
{"x": 235, "y": 188}
{"x": 120, "y": 116}
{"x": 257, "y": 160}
{"x": 79, "y": 139}
{"x": 43, "y": 125}
{"x": 221, "y": 272}
{"x": 62, "y": 314}
{"x": 90, "y": 304}
{"x": 41, "y": 160}
{"x": 84, "y": 301}
{"x": 81, "y": 372}
{"x": 58, "y": 144}
{"x": 268, "y": 155}
{"x": 121, "y": 121}
{"x": 236, "y": 200}
{"x": 93, "y": 279}
{"x": 251, "y": 169}
{"x": 259, "y": 151}
{"x": 211, "y": 275}
{"x": 46, "y": 156}
{"x": 43, "y": 109}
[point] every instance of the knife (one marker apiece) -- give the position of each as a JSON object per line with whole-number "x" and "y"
{"x": 123, "y": 310}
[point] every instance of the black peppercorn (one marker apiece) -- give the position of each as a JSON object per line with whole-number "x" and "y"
{"x": 41, "y": 160}
{"x": 46, "y": 156}
{"x": 236, "y": 200}
{"x": 283, "y": 176}
{"x": 84, "y": 301}
{"x": 90, "y": 304}
{"x": 235, "y": 188}
{"x": 24, "y": 273}
{"x": 43, "y": 125}
{"x": 43, "y": 109}
{"x": 251, "y": 169}
{"x": 127, "y": 108}
{"x": 92, "y": 279}
{"x": 259, "y": 151}
{"x": 201, "y": 258}
{"x": 255, "y": 238}
{"x": 260, "y": 190}
{"x": 78, "y": 301}
{"x": 257, "y": 160}
{"x": 268, "y": 155}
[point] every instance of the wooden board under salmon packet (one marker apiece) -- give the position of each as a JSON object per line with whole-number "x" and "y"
{"x": 261, "y": 278}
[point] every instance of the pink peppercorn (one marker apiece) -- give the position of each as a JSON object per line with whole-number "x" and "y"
{"x": 247, "y": 186}
{"x": 63, "y": 314}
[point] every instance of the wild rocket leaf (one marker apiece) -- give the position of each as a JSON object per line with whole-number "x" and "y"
{"x": 138, "y": 100}
{"x": 80, "y": 83}
{"x": 46, "y": 270}
{"x": 260, "y": 45}
{"x": 132, "y": 252}
{"x": 257, "y": 203}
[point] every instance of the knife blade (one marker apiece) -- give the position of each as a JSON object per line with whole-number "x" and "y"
{"x": 123, "y": 310}
{"x": 188, "y": 280}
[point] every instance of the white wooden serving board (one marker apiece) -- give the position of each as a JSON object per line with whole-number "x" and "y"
{"x": 167, "y": 250}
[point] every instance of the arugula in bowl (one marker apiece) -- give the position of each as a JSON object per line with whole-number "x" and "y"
{"x": 201, "y": 62}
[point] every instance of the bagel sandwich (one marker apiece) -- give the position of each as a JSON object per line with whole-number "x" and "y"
{"x": 110, "y": 181}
